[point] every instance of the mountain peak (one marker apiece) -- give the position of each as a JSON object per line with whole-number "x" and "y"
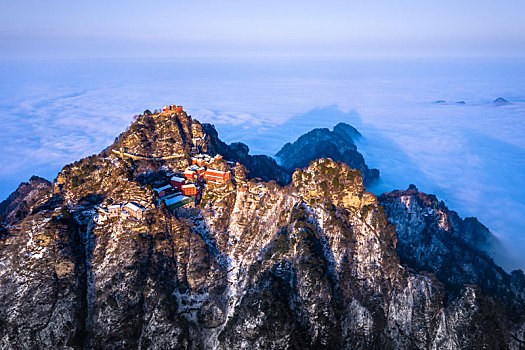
{"x": 500, "y": 101}
{"x": 347, "y": 130}
{"x": 162, "y": 135}
{"x": 325, "y": 180}
{"x": 337, "y": 144}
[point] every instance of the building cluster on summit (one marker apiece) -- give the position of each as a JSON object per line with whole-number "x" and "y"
{"x": 181, "y": 188}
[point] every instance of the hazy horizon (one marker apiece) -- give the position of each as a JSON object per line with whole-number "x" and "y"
{"x": 253, "y": 30}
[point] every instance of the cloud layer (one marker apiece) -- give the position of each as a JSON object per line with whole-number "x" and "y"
{"x": 471, "y": 155}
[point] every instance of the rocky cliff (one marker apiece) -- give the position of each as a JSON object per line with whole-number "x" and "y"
{"x": 256, "y": 265}
{"x": 458, "y": 251}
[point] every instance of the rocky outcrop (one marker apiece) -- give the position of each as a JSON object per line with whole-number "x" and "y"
{"x": 25, "y": 200}
{"x": 337, "y": 144}
{"x": 160, "y": 139}
{"x": 433, "y": 238}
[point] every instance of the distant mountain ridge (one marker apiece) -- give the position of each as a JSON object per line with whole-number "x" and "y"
{"x": 338, "y": 144}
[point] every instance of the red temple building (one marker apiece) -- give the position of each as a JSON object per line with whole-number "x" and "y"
{"x": 177, "y": 182}
{"x": 217, "y": 175}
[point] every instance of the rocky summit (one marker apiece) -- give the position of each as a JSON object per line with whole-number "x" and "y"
{"x": 172, "y": 239}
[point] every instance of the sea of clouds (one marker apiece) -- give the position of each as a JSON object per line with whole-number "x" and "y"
{"x": 470, "y": 155}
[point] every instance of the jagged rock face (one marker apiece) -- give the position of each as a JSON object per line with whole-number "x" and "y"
{"x": 41, "y": 284}
{"x": 309, "y": 265}
{"x": 322, "y": 143}
{"x": 433, "y": 238}
{"x": 138, "y": 272}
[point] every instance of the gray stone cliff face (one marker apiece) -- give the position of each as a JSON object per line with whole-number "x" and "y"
{"x": 458, "y": 251}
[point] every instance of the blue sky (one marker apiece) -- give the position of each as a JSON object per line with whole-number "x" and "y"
{"x": 317, "y": 29}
